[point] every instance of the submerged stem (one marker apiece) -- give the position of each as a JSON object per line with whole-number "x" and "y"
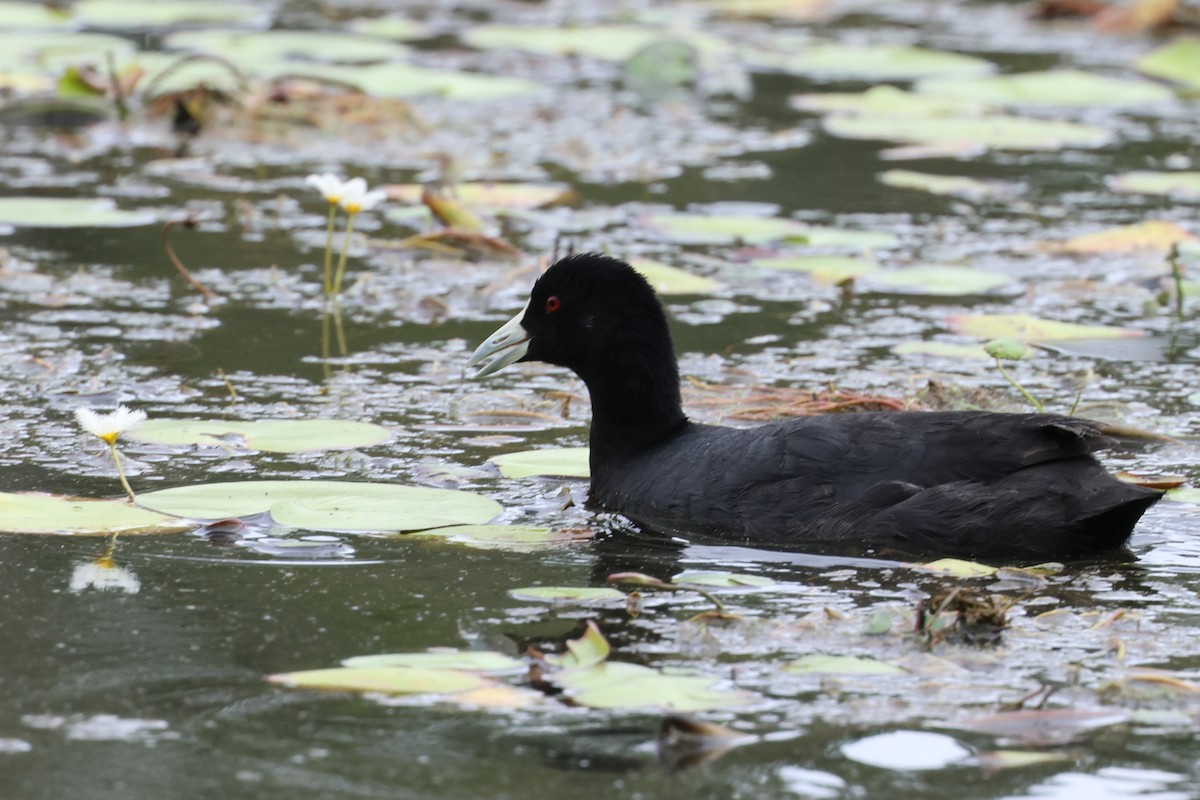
{"x": 328, "y": 282}
{"x": 338, "y": 328}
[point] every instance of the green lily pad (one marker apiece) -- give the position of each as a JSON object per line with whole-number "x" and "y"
{"x": 668, "y": 280}
{"x": 502, "y": 537}
{"x": 393, "y": 26}
{"x": 384, "y": 680}
{"x": 492, "y": 195}
{"x": 608, "y": 42}
{"x": 1056, "y": 88}
{"x": 404, "y": 80}
{"x": 77, "y": 516}
{"x": 50, "y": 51}
{"x": 462, "y": 660}
{"x": 992, "y": 760}
{"x": 946, "y": 185}
{"x": 1185, "y": 494}
{"x": 69, "y": 212}
{"x": 941, "y": 350}
{"x": 843, "y": 665}
{"x": 618, "y": 685}
{"x": 724, "y": 580}
{"x": 266, "y": 52}
{"x": 326, "y": 505}
{"x": 826, "y": 269}
{"x": 274, "y": 436}
{"x": 15, "y": 15}
{"x": 579, "y": 595}
{"x": 1151, "y": 234}
{"x": 957, "y": 568}
{"x": 1177, "y": 185}
{"x": 868, "y": 62}
{"x": 993, "y": 131}
{"x": 587, "y": 651}
{"x": 938, "y": 280}
{"x": 557, "y": 462}
{"x": 729, "y": 229}
{"x": 1032, "y": 329}
{"x": 139, "y": 15}
{"x": 887, "y": 101}
{"x": 1178, "y": 61}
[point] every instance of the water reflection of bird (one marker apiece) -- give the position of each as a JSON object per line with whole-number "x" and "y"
{"x": 965, "y": 483}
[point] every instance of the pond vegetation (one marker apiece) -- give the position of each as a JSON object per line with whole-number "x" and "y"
{"x": 346, "y": 571}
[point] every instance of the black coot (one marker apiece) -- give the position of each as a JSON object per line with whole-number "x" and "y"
{"x": 970, "y": 484}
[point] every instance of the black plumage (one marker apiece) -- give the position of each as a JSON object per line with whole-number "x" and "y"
{"x": 970, "y": 484}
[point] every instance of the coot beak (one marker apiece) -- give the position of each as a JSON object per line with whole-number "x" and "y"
{"x": 510, "y": 342}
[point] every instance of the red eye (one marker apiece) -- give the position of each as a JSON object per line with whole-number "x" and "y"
{"x": 553, "y": 304}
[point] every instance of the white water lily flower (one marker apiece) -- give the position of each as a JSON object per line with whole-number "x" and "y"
{"x": 109, "y": 426}
{"x": 356, "y": 198}
{"x": 104, "y": 574}
{"x": 331, "y": 187}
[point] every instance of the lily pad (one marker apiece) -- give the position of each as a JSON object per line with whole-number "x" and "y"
{"x": 385, "y": 680}
{"x": 77, "y": 516}
{"x": 1176, "y": 185}
{"x": 1032, "y": 329}
{"x": 993, "y": 131}
{"x": 558, "y": 462}
{"x": 579, "y": 595}
{"x": 1055, "y": 88}
{"x": 139, "y": 15}
{"x": 405, "y": 80}
{"x": 1186, "y": 494}
{"x": 587, "y": 651}
{"x": 843, "y": 665}
{"x": 274, "y": 436}
{"x": 618, "y": 685}
{"x": 1178, "y": 61}
{"x": 826, "y": 269}
{"x": 941, "y": 350}
{"x": 887, "y": 101}
{"x": 668, "y": 280}
{"x": 938, "y": 280}
{"x": 492, "y": 195}
{"x": 69, "y": 212}
{"x": 608, "y": 42}
{"x": 724, "y": 580}
{"x": 463, "y": 660}
{"x": 395, "y": 26}
{"x": 326, "y": 505}
{"x": 267, "y": 52}
{"x": 957, "y": 568}
{"x": 502, "y": 537}
{"x": 1149, "y": 235}
{"x": 729, "y": 229}
{"x": 794, "y": 10}
{"x": 49, "y": 51}
{"x": 868, "y": 62}
{"x": 947, "y": 185}
{"x": 19, "y": 15}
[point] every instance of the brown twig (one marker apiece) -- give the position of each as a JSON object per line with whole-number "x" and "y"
{"x": 188, "y": 223}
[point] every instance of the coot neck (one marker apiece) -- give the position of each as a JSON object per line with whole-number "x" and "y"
{"x": 635, "y": 402}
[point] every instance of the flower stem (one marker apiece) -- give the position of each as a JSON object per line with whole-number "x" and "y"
{"x": 1036, "y": 403}
{"x": 328, "y": 283}
{"x": 120, "y": 471}
{"x": 337, "y": 327}
{"x": 341, "y": 267}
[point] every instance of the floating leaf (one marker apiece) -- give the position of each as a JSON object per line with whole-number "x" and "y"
{"x": 1017, "y": 759}
{"x": 907, "y": 750}
{"x": 938, "y": 280}
{"x": 77, "y": 516}
{"x": 1043, "y": 726}
{"x": 950, "y": 185}
{"x": 729, "y": 229}
{"x": 465, "y": 660}
{"x": 267, "y": 52}
{"x": 559, "y": 462}
{"x": 275, "y": 436}
{"x": 826, "y": 269}
{"x": 1177, "y": 185}
{"x": 589, "y": 650}
{"x": 887, "y": 101}
{"x": 50, "y": 51}
{"x": 393, "y": 26}
{"x": 1006, "y": 348}
{"x": 993, "y": 131}
{"x": 326, "y": 505}
{"x": 1058, "y": 88}
{"x": 139, "y": 15}
{"x": 879, "y": 624}
{"x": 725, "y": 580}
{"x": 69, "y": 212}
{"x": 843, "y": 665}
{"x": 386, "y": 680}
{"x": 17, "y": 15}
{"x": 1178, "y": 61}
{"x": 492, "y": 195}
{"x": 608, "y": 42}
{"x": 580, "y": 595}
{"x": 618, "y": 685}
{"x": 1152, "y": 234}
{"x": 668, "y": 280}
{"x": 940, "y": 349}
{"x": 1187, "y": 494}
{"x": 868, "y": 62}
{"x": 795, "y": 10}
{"x": 1032, "y": 329}
{"x": 957, "y": 568}
{"x": 503, "y": 537}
